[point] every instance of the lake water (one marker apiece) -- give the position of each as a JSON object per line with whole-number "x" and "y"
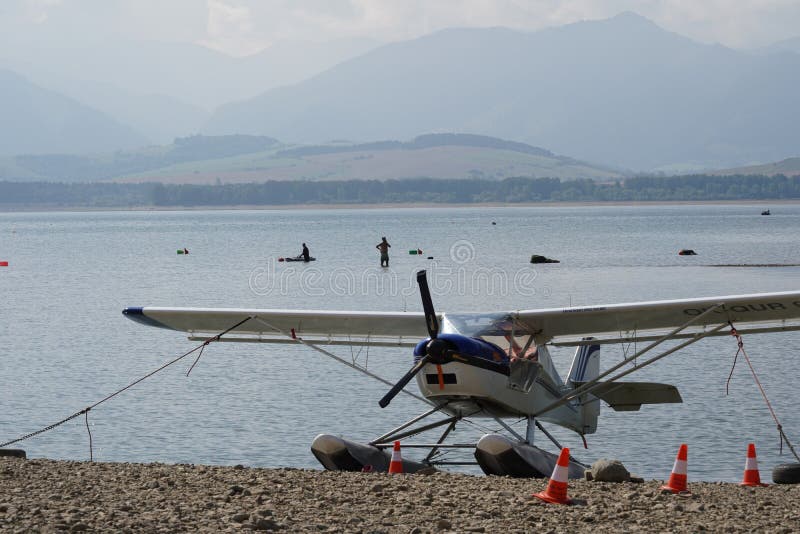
{"x": 65, "y": 345}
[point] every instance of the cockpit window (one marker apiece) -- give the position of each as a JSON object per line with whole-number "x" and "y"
{"x": 478, "y": 324}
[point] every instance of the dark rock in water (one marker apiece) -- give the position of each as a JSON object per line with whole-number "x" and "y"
{"x": 542, "y": 259}
{"x": 687, "y": 252}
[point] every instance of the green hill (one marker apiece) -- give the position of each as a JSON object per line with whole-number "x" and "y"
{"x": 244, "y": 159}
{"x": 787, "y": 167}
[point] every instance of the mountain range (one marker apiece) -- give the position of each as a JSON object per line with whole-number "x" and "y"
{"x": 622, "y": 93}
{"x": 34, "y": 119}
{"x": 167, "y": 90}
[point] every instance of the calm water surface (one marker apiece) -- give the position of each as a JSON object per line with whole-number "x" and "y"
{"x": 65, "y": 344}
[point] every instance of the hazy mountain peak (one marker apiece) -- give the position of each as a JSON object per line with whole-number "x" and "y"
{"x": 630, "y": 18}
{"x": 621, "y": 91}
{"x": 37, "y": 120}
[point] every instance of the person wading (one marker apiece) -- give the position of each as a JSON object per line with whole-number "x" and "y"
{"x": 384, "y": 246}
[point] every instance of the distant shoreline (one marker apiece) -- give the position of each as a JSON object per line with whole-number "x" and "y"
{"x": 409, "y": 205}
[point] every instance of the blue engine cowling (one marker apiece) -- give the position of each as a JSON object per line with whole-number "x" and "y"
{"x": 466, "y": 345}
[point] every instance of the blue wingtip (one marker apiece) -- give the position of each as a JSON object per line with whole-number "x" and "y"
{"x": 136, "y": 313}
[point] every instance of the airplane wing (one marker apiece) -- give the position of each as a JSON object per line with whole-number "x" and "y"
{"x": 280, "y": 326}
{"x": 641, "y": 321}
{"x": 612, "y": 323}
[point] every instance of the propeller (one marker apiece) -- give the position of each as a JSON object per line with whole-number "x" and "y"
{"x": 431, "y": 321}
{"x": 435, "y": 351}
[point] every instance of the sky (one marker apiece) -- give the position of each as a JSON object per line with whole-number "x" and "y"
{"x": 242, "y": 27}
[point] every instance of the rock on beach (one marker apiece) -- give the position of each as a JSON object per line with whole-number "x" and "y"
{"x": 67, "y": 496}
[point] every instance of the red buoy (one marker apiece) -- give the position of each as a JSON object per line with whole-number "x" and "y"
{"x": 3, "y": 264}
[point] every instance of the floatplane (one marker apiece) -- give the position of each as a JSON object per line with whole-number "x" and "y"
{"x": 493, "y": 365}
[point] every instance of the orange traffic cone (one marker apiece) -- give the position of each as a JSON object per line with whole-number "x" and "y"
{"x": 751, "y": 475}
{"x": 556, "y": 491}
{"x": 396, "y": 465}
{"x": 677, "y": 480}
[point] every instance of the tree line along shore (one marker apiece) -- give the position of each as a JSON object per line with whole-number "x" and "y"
{"x": 21, "y": 195}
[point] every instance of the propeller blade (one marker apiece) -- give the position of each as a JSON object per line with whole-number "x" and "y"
{"x": 384, "y": 402}
{"x": 431, "y": 321}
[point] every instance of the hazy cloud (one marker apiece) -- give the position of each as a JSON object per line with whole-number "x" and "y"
{"x": 230, "y": 29}
{"x": 243, "y": 26}
{"x": 37, "y": 10}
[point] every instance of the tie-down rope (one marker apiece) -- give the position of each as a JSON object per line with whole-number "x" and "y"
{"x": 86, "y": 410}
{"x": 741, "y": 350}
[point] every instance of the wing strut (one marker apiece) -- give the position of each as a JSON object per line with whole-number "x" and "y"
{"x": 300, "y": 340}
{"x": 588, "y": 386}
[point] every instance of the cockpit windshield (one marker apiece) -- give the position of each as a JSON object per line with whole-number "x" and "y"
{"x": 497, "y": 328}
{"x": 477, "y": 324}
{"x": 483, "y": 324}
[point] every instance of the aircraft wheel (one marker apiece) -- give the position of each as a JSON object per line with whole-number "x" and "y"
{"x": 786, "y": 474}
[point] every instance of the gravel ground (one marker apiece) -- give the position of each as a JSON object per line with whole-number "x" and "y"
{"x": 64, "y": 496}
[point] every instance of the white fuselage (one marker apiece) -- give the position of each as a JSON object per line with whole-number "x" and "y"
{"x": 476, "y": 392}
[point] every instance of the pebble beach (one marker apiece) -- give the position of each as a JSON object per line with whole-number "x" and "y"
{"x": 41, "y": 495}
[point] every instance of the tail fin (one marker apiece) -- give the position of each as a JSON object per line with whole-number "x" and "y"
{"x": 585, "y": 367}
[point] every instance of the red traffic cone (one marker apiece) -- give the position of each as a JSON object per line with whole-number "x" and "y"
{"x": 677, "y": 480}
{"x": 751, "y": 475}
{"x": 396, "y": 465}
{"x": 556, "y": 492}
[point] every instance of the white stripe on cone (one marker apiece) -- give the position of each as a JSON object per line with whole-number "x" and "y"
{"x": 560, "y": 473}
{"x": 680, "y": 467}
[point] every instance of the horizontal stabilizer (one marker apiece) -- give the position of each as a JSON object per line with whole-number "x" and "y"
{"x": 629, "y": 396}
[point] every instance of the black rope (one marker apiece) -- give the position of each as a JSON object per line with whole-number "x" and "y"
{"x": 198, "y": 357}
{"x": 735, "y": 356}
{"x": 109, "y": 397}
{"x": 91, "y": 455}
{"x": 45, "y": 429}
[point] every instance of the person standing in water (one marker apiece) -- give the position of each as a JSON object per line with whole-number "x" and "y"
{"x": 306, "y": 255}
{"x": 384, "y": 246}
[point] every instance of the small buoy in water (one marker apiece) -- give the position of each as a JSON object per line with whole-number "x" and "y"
{"x": 415, "y": 252}
{"x": 687, "y": 252}
{"x": 3, "y": 264}
{"x": 281, "y": 259}
{"x": 183, "y": 251}
{"x": 493, "y": 223}
{"x": 430, "y": 257}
